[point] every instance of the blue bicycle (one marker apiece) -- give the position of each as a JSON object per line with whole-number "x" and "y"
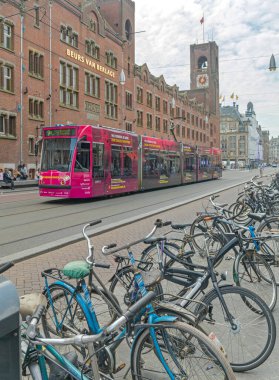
{"x": 162, "y": 347}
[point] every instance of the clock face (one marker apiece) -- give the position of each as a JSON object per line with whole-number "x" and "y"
{"x": 202, "y": 80}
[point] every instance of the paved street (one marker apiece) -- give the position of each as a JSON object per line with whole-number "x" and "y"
{"x": 26, "y": 274}
{"x": 30, "y": 224}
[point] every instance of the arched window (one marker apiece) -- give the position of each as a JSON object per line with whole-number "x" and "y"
{"x": 128, "y": 30}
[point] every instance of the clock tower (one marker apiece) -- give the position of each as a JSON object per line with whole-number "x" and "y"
{"x": 204, "y": 60}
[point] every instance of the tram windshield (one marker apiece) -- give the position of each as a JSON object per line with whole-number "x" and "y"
{"x": 57, "y": 154}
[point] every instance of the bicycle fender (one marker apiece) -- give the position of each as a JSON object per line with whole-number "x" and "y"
{"x": 213, "y": 290}
{"x": 164, "y": 318}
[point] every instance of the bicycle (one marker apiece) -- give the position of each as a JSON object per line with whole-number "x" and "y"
{"x": 251, "y": 309}
{"x": 161, "y": 335}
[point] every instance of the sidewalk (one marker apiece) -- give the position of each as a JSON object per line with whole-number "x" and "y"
{"x": 27, "y": 278}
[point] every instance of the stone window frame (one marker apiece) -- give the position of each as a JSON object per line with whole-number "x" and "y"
{"x": 157, "y": 103}
{"x": 7, "y": 128}
{"x": 4, "y": 22}
{"x": 128, "y": 126}
{"x": 36, "y": 64}
{"x": 111, "y": 96}
{"x": 3, "y": 87}
{"x": 149, "y": 99}
{"x": 92, "y": 49}
{"x": 68, "y": 36}
{"x": 36, "y": 108}
{"x": 111, "y": 59}
{"x": 139, "y": 94}
{"x": 68, "y": 85}
{"x": 92, "y": 81}
{"x": 148, "y": 120}
{"x": 31, "y": 145}
{"x": 139, "y": 118}
{"x": 129, "y": 100}
{"x": 157, "y": 124}
{"x": 165, "y": 125}
{"x": 165, "y": 107}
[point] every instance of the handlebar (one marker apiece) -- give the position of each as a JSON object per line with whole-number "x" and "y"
{"x": 31, "y": 331}
{"x": 108, "y": 249}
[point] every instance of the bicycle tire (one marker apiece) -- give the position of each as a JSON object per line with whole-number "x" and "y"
{"x": 124, "y": 293}
{"x": 245, "y": 322}
{"x": 197, "y": 359}
{"x": 252, "y": 272}
{"x": 270, "y": 248}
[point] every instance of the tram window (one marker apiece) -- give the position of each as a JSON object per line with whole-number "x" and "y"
{"x": 152, "y": 162}
{"x": 174, "y": 163}
{"x": 127, "y": 161}
{"x": 115, "y": 161}
{"x": 98, "y": 160}
{"x": 82, "y": 163}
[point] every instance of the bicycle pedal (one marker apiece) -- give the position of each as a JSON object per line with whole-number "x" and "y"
{"x": 120, "y": 367}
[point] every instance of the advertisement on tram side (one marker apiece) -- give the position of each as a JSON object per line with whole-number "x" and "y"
{"x": 161, "y": 163}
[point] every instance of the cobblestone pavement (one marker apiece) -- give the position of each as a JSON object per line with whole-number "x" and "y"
{"x": 27, "y": 278}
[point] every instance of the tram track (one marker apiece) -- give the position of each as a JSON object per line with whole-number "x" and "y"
{"x": 36, "y": 223}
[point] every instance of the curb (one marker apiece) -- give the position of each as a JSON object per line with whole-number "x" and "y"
{"x": 32, "y": 252}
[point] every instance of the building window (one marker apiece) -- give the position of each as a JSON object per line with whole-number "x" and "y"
{"x": 197, "y": 136}
{"x": 183, "y": 115}
{"x": 68, "y": 85}
{"x": 68, "y": 36}
{"x": 128, "y": 127}
{"x": 92, "y": 85}
{"x": 7, "y": 125}
{"x": 6, "y": 77}
{"x": 165, "y": 107}
{"x": 188, "y": 133}
{"x": 177, "y": 111}
{"x": 157, "y": 124}
{"x": 197, "y": 121}
{"x": 165, "y": 126}
{"x": 36, "y": 109}
{"x": 36, "y": 64}
{"x": 193, "y": 135}
{"x": 139, "y": 118}
{"x": 149, "y": 120}
{"x": 92, "y": 49}
{"x": 192, "y": 119}
{"x": 6, "y": 35}
{"x": 157, "y": 103}
{"x": 37, "y": 16}
{"x": 139, "y": 95}
{"x": 149, "y": 99}
{"x": 129, "y": 100}
{"x": 178, "y": 130}
{"x": 111, "y": 60}
{"x": 110, "y": 100}
{"x": 31, "y": 145}
{"x": 188, "y": 118}
{"x": 183, "y": 132}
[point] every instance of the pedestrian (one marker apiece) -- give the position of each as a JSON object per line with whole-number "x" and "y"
{"x": 7, "y": 178}
{"x": 23, "y": 172}
{"x": 1, "y": 175}
{"x": 37, "y": 175}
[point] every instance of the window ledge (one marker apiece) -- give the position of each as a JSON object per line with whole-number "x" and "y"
{"x": 36, "y": 76}
{"x": 7, "y": 91}
{"x": 35, "y": 118}
{"x": 7, "y": 49}
{"x": 69, "y": 107}
{"x": 8, "y": 137}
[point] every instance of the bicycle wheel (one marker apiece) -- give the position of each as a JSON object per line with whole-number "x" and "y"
{"x": 241, "y": 211}
{"x": 251, "y": 340}
{"x": 149, "y": 255}
{"x": 123, "y": 288}
{"x": 270, "y": 248}
{"x": 252, "y": 272}
{"x": 188, "y": 353}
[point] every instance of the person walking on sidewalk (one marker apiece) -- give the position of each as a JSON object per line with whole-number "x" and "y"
{"x": 7, "y": 178}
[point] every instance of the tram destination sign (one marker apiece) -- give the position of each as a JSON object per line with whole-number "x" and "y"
{"x": 60, "y": 132}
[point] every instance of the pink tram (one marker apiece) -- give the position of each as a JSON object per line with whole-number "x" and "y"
{"x": 90, "y": 161}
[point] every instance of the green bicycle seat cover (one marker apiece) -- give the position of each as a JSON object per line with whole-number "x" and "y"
{"x": 76, "y": 269}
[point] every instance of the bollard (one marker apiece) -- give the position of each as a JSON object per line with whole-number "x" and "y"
{"x": 10, "y": 363}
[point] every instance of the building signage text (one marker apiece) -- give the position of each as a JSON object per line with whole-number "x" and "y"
{"x": 90, "y": 63}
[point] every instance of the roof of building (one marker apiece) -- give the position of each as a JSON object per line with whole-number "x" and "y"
{"x": 230, "y": 111}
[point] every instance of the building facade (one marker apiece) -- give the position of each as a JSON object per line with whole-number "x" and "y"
{"x": 240, "y": 137}
{"x": 274, "y": 150}
{"x": 72, "y": 62}
{"x": 265, "y": 137}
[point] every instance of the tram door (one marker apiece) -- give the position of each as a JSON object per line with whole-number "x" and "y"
{"x": 98, "y": 169}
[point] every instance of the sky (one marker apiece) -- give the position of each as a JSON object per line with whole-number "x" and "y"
{"x": 246, "y": 32}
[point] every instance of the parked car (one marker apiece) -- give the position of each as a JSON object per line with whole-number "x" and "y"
{"x": 274, "y": 165}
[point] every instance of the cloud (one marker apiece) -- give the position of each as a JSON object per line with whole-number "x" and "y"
{"x": 247, "y": 33}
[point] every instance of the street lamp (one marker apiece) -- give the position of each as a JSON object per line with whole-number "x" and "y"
{"x": 272, "y": 63}
{"x": 122, "y": 81}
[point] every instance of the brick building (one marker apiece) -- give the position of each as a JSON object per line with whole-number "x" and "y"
{"x": 62, "y": 61}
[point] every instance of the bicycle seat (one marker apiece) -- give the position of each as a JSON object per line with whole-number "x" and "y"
{"x": 154, "y": 239}
{"x": 259, "y": 216}
{"x": 76, "y": 269}
{"x": 180, "y": 226}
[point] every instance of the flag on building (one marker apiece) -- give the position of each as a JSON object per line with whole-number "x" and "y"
{"x": 202, "y": 20}
{"x": 232, "y": 95}
{"x": 236, "y": 97}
